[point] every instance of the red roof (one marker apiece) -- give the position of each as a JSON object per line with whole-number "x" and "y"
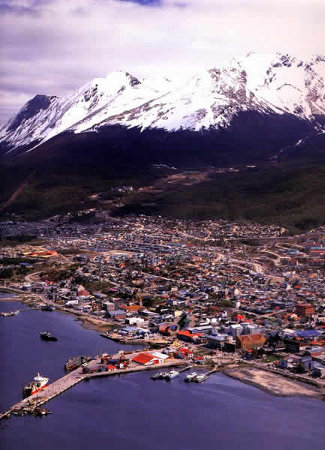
{"x": 143, "y": 358}
{"x": 185, "y": 350}
{"x": 188, "y": 333}
{"x": 83, "y": 293}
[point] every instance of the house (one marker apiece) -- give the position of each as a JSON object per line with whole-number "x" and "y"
{"x": 319, "y": 372}
{"x": 133, "y": 308}
{"x": 184, "y": 353}
{"x": 305, "y": 364}
{"x": 291, "y": 362}
{"x": 167, "y": 328}
{"x": 292, "y": 345}
{"x": 250, "y": 341}
{"x": 236, "y": 330}
{"x": 108, "y": 306}
{"x": 118, "y": 314}
{"x": 217, "y": 340}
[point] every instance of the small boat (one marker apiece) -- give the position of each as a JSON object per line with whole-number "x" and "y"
{"x": 162, "y": 375}
{"x": 200, "y": 378}
{"x": 190, "y": 377}
{"x": 10, "y": 314}
{"x": 157, "y": 376}
{"x": 48, "y": 308}
{"x": 172, "y": 374}
{"x": 40, "y": 412}
{"x": 47, "y": 336}
{"x": 36, "y": 385}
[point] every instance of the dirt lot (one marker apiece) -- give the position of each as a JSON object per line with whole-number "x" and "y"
{"x": 272, "y": 383}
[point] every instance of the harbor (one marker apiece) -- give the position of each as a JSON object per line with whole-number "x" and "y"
{"x": 27, "y": 405}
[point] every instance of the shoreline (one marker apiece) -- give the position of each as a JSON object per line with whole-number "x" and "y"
{"x": 11, "y": 299}
{"x": 87, "y": 322}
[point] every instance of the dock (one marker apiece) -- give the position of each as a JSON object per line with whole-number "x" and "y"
{"x": 51, "y": 391}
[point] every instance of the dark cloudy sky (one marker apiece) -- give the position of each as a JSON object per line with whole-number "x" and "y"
{"x": 55, "y": 46}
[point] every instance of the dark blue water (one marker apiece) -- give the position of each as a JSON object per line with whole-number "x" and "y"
{"x": 23, "y": 353}
{"x": 7, "y": 295}
{"x": 132, "y": 411}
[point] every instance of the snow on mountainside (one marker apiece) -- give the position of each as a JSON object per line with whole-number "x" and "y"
{"x": 102, "y": 96}
{"x": 267, "y": 84}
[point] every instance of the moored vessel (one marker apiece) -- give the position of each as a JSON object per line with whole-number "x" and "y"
{"x": 36, "y": 385}
{"x": 190, "y": 377}
{"x": 75, "y": 362}
{"x": 200, "y": 378}
{"x": 157, "y": 376}
{"x": 172, "y": 374}
{"x": 48, "y": 308}
{"x": 47, "y": 336}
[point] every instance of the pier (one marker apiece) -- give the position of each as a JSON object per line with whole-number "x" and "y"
{"x": 52, "y": 390}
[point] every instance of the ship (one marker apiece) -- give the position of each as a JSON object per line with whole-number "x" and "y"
{"x": 74, "y": 363}
{"x": 36, "y": 385}
{"x": 47, "y": 336}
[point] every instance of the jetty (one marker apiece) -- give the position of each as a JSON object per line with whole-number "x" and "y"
{"x": 54, "y": 389}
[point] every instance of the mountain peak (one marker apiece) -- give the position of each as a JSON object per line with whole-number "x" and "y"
{"x": 30, "y": 109}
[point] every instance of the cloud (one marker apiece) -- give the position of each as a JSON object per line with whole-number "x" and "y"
{"x": 54, "y": 46}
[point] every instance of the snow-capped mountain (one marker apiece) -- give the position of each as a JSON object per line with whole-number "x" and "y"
{"x": 278, "y": 84}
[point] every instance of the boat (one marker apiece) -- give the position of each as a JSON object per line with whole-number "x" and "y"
{"x": 200, "y": 378}
{"x": 48, "y": 308}
{"x": 157, "y": 376}
{"x": 36, "y": 385}
{"x": 172, "y": 374}
{"x": 74, "y": 363}
{"x": 47, "y": 336}
{"x": 10, "y": 314}
{"x": 41, "y": 412}
{"x": 190, "y": 377}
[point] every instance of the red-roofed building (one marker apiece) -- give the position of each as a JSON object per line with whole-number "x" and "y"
{"x": 184, "y": 353}
{"x": 251, "y": 341}
{"x": 305, "y": 309}
{"x": 83, "y": 293}
{"x": 147, "y": 359}
{"x": 187, "y": 336}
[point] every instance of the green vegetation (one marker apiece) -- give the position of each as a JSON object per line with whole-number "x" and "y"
{"x": 283, "y": 194}
{"x": 272, "y": 358}
{"x": 5, "y": 260}
{"x": 50, "y": 194}
{"x": 17, "y": 240}
{"x": 226, "y": 304}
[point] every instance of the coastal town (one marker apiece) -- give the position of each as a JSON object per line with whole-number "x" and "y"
{"x": 242, "y": 298}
